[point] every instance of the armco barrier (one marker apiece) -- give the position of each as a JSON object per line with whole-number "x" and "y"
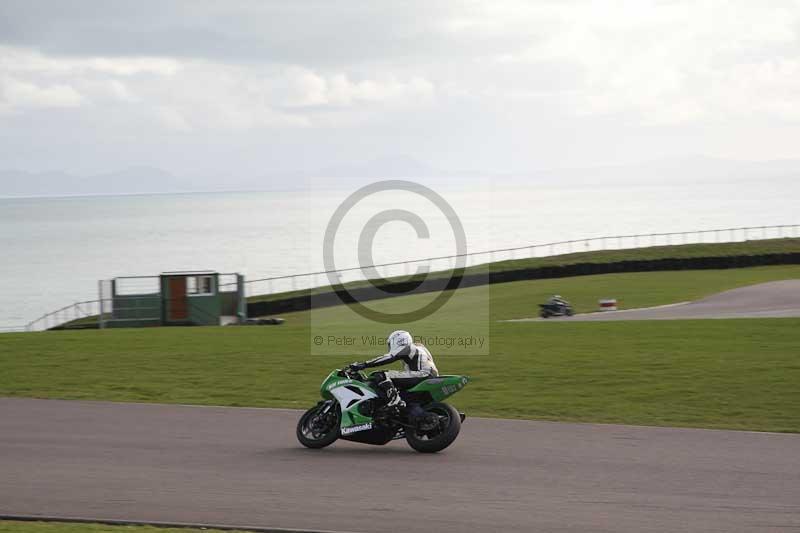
{"x": 281, "y": 284}
{"x": 277, "y": 285}
{"x": 363, "y": 294}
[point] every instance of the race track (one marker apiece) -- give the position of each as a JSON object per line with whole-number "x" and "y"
{"x": 775, "y": 299}
{"x": 244, "y": 467}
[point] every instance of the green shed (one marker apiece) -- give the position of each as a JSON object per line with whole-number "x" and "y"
{"x": 185, "y": 298}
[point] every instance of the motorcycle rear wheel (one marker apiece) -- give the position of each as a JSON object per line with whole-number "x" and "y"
{"x": 449, "y": 426}
{"x": 316, "y": 429}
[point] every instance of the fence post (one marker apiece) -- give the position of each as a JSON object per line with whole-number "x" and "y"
{"x": 101, "y": 323}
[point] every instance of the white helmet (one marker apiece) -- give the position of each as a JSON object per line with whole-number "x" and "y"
{"x": 398, "y": 340}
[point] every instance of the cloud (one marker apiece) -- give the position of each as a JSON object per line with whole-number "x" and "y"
{"x": 660, "y": 62}
{"x": 19, "y": 96}
{"x": 32, "y": 61}
{"x": 310, "y": 89}
{"x": 121, "y": 92}
{"x": 188, "y": 94}
{"x": 480, "y": 81}
{"x": 173, "y": 119}
{"x": 679, "y": 61}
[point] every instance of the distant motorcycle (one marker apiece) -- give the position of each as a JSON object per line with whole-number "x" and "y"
{"x": 548, "y": 310}
{"x": 352, "y": 410}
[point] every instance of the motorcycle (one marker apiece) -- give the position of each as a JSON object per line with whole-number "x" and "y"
{"x": 548, "y": 310}
{"x": 352, "y": 409}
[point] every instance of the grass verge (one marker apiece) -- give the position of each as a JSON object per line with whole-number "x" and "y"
{"x": 739, "y": 374}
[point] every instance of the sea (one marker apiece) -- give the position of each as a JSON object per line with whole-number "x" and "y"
{"x": 54, "y": 250}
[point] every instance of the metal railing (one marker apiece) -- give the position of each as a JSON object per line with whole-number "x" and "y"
{"x": 65, "y": 315}
{"x": 319, "y": 279}
{"x": 316, "y": 280}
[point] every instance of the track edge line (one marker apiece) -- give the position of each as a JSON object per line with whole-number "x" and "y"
{"x": 160, "y": 524}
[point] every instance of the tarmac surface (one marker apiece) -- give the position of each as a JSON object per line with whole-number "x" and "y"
{"x": 240, "y": 466}
{"x": 775, "y": 299}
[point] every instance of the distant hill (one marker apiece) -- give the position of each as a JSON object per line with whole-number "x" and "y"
{"x": 398, "y": 166}
{"x": 692, "y": 169}
{"x": 129, "y": 181}
{"x": 135, "y": 180}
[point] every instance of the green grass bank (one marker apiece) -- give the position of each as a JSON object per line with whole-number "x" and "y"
{"x": 739, "y": 374}
{"x": 683, "y": 251}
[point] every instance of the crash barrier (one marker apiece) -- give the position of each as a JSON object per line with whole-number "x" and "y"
{"x": 607, "y": 304}
{"x": 387, "y": 290}
{"x": 321, "y": 280}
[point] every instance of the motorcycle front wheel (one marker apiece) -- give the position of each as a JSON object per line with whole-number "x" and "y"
{"x": 445, "y": 426}
{"x": 319, "y": 426}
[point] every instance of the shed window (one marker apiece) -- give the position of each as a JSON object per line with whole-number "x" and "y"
{"x": 199, "y": 285}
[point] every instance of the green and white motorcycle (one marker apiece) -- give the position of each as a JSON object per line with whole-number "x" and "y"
{"x": 352, "y": 410}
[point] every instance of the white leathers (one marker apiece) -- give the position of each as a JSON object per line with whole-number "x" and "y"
{"x": 417, "y": 360}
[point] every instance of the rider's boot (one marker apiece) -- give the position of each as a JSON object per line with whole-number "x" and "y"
{"x": 392, "y": 395}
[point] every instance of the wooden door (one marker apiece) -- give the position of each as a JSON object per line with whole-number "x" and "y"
{"x": 178, "y": 308}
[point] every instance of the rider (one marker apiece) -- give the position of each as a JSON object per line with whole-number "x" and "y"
{"x": 417, "y": 363}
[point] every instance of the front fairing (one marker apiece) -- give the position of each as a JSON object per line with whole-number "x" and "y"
{"x": 350, "y": 394}
{"x": 333, "y": 380}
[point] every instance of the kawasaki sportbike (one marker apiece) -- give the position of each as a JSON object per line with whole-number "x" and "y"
{"x": 352, "y": 410}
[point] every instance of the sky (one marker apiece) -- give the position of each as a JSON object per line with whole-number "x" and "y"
{"x": 210, "y": 89}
